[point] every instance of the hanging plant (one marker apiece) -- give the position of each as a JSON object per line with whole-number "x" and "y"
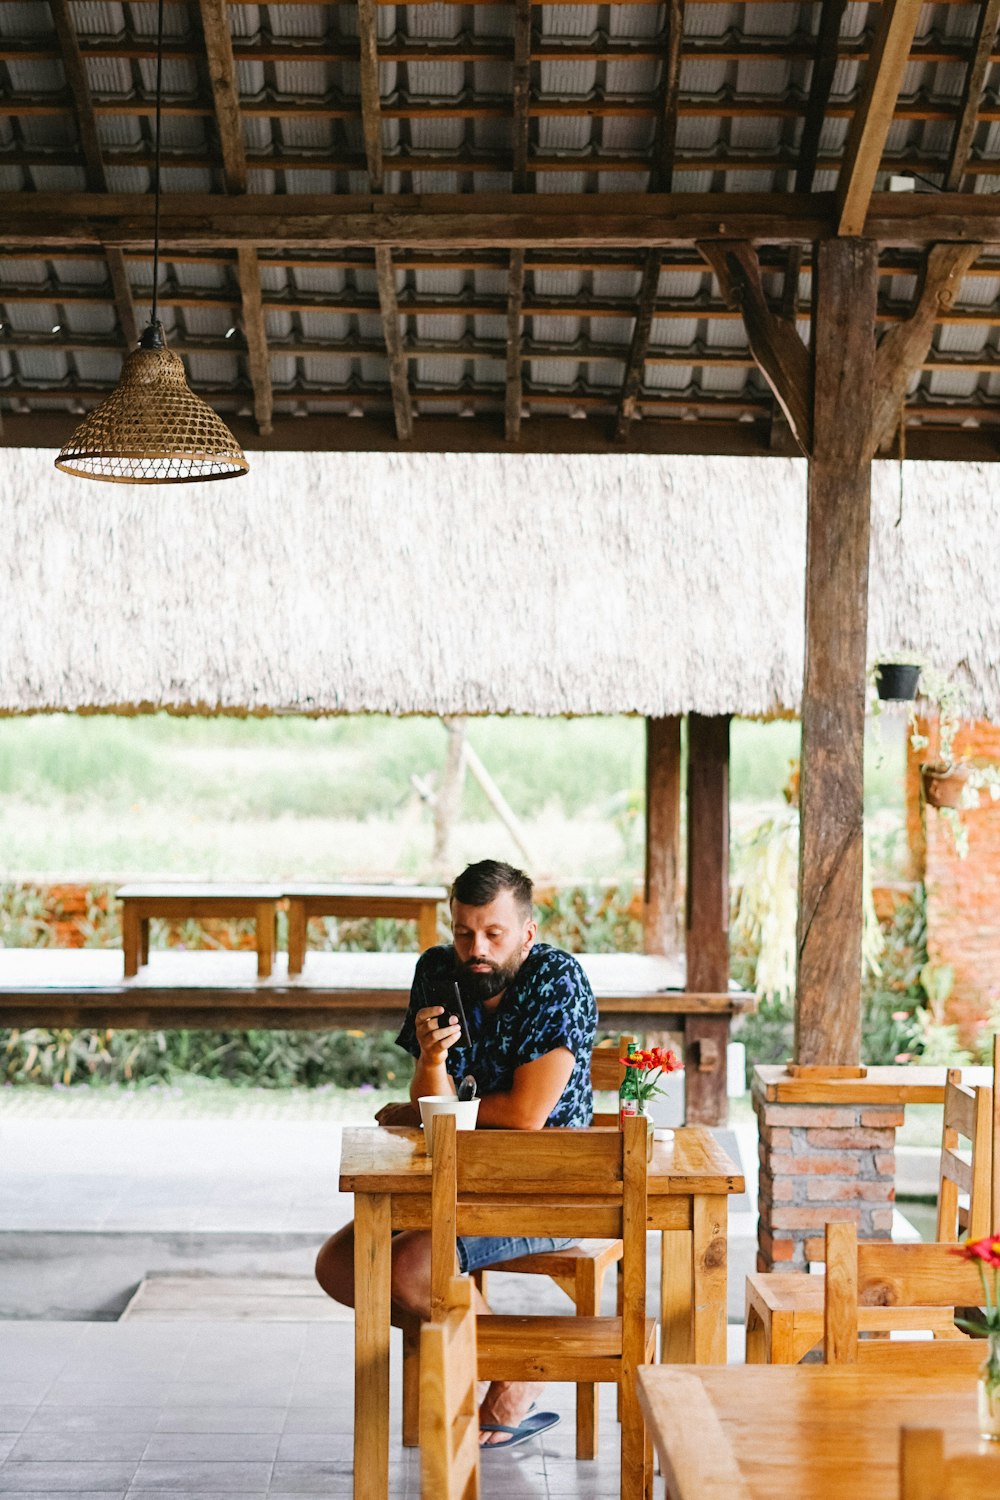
{"x": 949, "y": 783}
{"x": 896, "y": 681}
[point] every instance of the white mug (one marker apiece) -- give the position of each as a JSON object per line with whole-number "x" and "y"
{"x": 464, "y": 1110}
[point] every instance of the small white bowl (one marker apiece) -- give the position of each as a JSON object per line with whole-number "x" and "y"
{"x": 464, "y": 1110}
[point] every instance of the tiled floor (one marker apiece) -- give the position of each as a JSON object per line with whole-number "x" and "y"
{"x": 222, "y": 1409}
{"x": 214, "y": 1409}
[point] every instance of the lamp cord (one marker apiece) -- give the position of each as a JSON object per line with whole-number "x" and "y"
{"x": 156, "y": 162}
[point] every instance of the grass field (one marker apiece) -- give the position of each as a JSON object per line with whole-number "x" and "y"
{"x": 279, "y": 797}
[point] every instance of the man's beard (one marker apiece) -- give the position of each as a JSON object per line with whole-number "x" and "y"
{"x": 483, "y": 986}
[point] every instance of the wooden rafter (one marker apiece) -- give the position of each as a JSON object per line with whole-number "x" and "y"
{"x": 76, "y": 77}
{"x": 520, "y": 126}
{"x": 639, "y": 347}
{"x": 226, "y": 99}
{"x": 775, "y": 344}
{"x": 820, "y": 85}
{"x": 722, "y": 433}
{"x": 385, "y": 273}
{"x": 552, "y": 221}
{"x": 402, "y": 405}
{"x": 514, "y": 378}
{"x": 874, "y": 113}
{"x": 903, "y": 348}
{"x": 661, "y": 180}
{"x": 986, "y": 34}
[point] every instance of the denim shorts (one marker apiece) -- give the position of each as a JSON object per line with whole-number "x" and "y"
{"x": 475, "y": 1251}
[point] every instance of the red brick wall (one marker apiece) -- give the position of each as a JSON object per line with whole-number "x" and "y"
{"x": 963, "y": 895}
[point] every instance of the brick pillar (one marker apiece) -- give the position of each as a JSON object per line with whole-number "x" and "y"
{"x": 819, "y": 1163}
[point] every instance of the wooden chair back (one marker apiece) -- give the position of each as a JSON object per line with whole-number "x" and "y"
{"x": 925, "y": 1473}
{"x": 449, "y": 1413}
{"x": 878, "y": 1273}
{"x": 968, "y": 1121}
{"x": 541, "y": 1182}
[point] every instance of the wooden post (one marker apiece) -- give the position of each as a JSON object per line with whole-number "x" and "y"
{"x": 663, "y": 834}
{"x": 828, "y": 998}
{"x": 705, "y": 1037}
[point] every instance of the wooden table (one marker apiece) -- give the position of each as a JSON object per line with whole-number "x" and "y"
{"x": 182, "y": 902}
{"x": 389, "y": 1173}
{"x": 411, "y": 902}
{"x": 795, "y": 1432}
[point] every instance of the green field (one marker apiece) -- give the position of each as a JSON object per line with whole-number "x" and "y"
{"x": 285, "y": 796}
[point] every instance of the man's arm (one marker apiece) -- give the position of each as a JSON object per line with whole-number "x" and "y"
{"x": 536, "y": 1090}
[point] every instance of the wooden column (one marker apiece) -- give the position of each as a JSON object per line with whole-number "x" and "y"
{"x": 663, "y": 834}
{"x": 827, "y": 1023}
{"x": 707, "y": 944}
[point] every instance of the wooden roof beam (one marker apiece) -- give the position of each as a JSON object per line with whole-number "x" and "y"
{"x": 986, "y": 32}
{"x": 589, "y": 222}
{"x": 661, "y": 180}
{"x": 520, "y": 126}
{"x": 775, "y": 344}
{"x": 385, "y": 274}
{"x": 874, "y": 113}
{"x": 226, "y": 99}
{"x": 75, "y": 70}
{"x": 903, "y": 349}
{"x": 820, "y": 85}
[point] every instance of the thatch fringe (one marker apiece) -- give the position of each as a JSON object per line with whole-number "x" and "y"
{"x": 468, "y": 584}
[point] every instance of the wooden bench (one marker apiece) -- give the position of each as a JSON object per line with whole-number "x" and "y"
{"x": 410, "y": 902}
{"x": 179, "y": 903}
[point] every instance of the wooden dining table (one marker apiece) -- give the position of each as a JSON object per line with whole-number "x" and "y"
{"x": 389, "y": 1173}
{"x": 796, "y": 1432}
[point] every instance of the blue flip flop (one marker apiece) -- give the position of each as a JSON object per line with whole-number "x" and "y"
{"x": 533, "y": 1426}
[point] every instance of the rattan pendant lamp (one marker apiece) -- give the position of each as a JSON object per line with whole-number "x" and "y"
{"x": 153, "y": 429}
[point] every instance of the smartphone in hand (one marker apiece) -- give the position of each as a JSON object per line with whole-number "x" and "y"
{"x": 449, "y": 995}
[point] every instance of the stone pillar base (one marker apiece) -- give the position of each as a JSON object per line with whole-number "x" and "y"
{"x": 820, "y": 1163}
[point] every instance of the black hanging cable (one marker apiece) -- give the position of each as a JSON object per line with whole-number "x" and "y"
{"x": 153, "y": 336}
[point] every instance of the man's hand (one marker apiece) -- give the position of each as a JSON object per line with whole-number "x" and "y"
{"x": 435, "y": 1041}
{"x": 398, "y": 1114}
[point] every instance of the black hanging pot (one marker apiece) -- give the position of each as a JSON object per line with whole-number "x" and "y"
{"x": 896, "y": 681}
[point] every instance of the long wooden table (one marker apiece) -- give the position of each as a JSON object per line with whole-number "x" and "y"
{"x": 179, "y": 902}
{"x": 389, "y": 1173}
{"x": 796, "y": 1432}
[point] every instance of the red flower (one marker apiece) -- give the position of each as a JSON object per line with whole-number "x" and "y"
{"x": 987, "y": 1251}
{"x": 662, "y": 1058}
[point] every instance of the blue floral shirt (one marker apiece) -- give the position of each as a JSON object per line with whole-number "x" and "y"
{"x": 548, "y": 1004}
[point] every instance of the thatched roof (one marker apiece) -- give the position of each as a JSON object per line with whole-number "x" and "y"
{"x": 478, "y": 584}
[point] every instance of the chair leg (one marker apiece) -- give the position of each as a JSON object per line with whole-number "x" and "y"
{"x": 636, "y": 1477}
{"x": 411, "y": 1383}
{"x": 619, "y": 1313}
{"x": 587, "y": 1299}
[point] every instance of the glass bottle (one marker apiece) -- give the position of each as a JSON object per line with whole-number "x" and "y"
{"x": 629, "y": 1101}
{"x": 989, "y": 1390}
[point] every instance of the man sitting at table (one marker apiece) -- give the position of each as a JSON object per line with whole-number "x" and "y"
{"x": 532, "y": 1017}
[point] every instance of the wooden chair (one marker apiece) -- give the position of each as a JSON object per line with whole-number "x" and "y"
{"x": 925, "y": 1473}
{"x": 449, "y": 1413}
{"x": 915, "y": 1279}
{"x": 784, "y": 1310}
{"x": 579, "y": 1271}
{"x": 544, "y": 1181}
{"x": 968, "y": 1116}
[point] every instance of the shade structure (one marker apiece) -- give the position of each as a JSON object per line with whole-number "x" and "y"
{"x": 153, "y": 429}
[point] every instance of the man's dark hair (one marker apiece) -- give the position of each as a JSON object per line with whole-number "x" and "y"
{"x": 481, "y": 883}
